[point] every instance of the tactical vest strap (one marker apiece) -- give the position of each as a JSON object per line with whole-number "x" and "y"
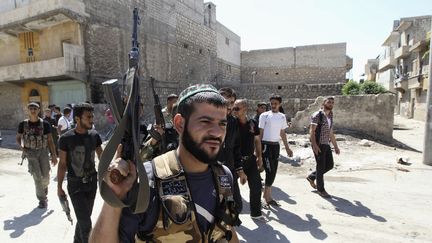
{"x": 167, "y": 165}
{"x": 34, "y": 141}
{"x": 177, "y": 216}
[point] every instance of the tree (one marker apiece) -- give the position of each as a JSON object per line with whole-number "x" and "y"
{"x": 371, "y": 87}
{"x": 351, "y": 88}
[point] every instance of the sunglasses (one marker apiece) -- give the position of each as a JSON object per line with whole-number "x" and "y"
{"x": 236, "y": 108}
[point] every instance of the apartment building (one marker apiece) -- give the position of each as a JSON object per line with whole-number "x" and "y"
{"x": 42, "y": 53}
{"x": 404, "y": 65}
{"x": 60, "y": 51}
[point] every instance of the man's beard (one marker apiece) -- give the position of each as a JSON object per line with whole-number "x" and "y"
{"x": 195, "y": 150}
{"x": 328, "y": 108}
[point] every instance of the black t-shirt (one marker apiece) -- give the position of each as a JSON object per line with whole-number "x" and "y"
{"x": 52, "y": 123}
{"x": 34, "y": 127}
{"x": 80, "y": 149}
{"x": 248, "y": 131}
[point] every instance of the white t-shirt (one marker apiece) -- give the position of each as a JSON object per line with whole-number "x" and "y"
{"x": 272, "y": 123}
{"x": 64, "y": 123}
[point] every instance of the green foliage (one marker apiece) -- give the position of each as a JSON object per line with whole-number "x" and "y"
{"x": 351, "y": 88}
{"x": 371, "y": 87}
{"x": 367, "y": 87}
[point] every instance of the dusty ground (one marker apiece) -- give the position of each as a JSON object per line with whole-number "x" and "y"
{"x": 374, "y": 198}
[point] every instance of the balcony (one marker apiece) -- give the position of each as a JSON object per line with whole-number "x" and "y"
{"x": 401, "y": 83}
{"x": 402, "y": 52}
{"x": 386, "y": 63}
{"x": 71, "y": 65}
{"x": 415, "y": 82}
{"x": 40, "y": 14}
{"x": 419, "y": 46}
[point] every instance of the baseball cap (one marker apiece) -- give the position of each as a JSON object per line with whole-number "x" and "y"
{"x": 33, "y": 104}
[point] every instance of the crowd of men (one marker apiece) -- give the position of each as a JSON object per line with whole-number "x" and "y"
{"x": 210, "y": 145}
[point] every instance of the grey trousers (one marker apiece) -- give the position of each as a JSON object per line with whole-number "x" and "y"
{"x": 39, "y": 168}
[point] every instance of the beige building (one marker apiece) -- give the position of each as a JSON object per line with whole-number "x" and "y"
{"x": 371, "y": 69}
{"x": 404, "y": 65}
{"x": 60, "y": 51}
{"x": 42, "y": 53}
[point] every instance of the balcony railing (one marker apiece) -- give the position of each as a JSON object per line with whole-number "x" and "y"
{"x": 415, "y": 82}
{"x": 387, "y": 63}
{"x": 30, "y": 15}
{"x": 402, "y": 52}
{"x": 71, "y": 65}
{"x": 401, "y": 83}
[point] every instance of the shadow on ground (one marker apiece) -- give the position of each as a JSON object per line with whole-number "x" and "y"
{"x": 271, "y": 235}
{"x": 284, "y": 217}
{"x": 19, "y": 224}
{"x": 287, "y": 160}
{"x": 356, "y": 209}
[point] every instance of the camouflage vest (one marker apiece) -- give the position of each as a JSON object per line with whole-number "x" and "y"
{"x": 177, "y": 219}
{"x": 35, "y": 138}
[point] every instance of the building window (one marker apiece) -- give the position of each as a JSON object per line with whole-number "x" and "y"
{"x": 185, "y": 45}
{"x": 200, "y": 51}
{"x": 276, "y": 73}
{"x": 228, "y": 68}
{"x": 30, "y": 52}
{"x": 279, "y": 87}
{"x": 227, "y": 41}
{"x": 34, "y": 92}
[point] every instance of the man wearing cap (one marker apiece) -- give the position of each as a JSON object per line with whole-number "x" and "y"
{"x": 167, "y": 111}
{"x": 34, "y": 138}
{"x": 261, "y": 108}
{"x": 190, "y": 192}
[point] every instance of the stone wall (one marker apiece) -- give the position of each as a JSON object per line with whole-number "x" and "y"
{"x": 177, "y": 47}
{"x": 370, "y": 115}
{"x": 286, "y": 91}
{"x": 11, "y": 110}
{"x": 326, "y": 63}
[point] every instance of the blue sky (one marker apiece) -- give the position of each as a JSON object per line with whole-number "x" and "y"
{"x": 362, "y": 24}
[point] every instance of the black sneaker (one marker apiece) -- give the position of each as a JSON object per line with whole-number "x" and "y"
{"x": 324, "y": 194}
{"x": 43, "y": 204}
{"x": 311, "y": 182}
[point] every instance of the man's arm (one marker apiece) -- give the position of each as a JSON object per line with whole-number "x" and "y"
{"x": 333, "y": 140}
{"x": 61, "y": 171}
{"x": 99, "y": 151}
{"x": 258, "y": 151}
{"x": 315, "y": 146}
{"x": 238, "y": 163}
{"x": 107, "y": 225}
{"x": 52, "y": 150}
{"x": 18, "y": 141}
{"x": 106, "y": 228}
{"x": 285, "y": 142}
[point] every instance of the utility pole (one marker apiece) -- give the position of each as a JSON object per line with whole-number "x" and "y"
{"x": 427, "y": 145}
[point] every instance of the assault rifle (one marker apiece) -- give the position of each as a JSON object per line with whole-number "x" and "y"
{"x": 125, "y": 106}
{"x": 159, "y": 119}
{"x": 65, "y": 206}
{"x": 23, "y": 157}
